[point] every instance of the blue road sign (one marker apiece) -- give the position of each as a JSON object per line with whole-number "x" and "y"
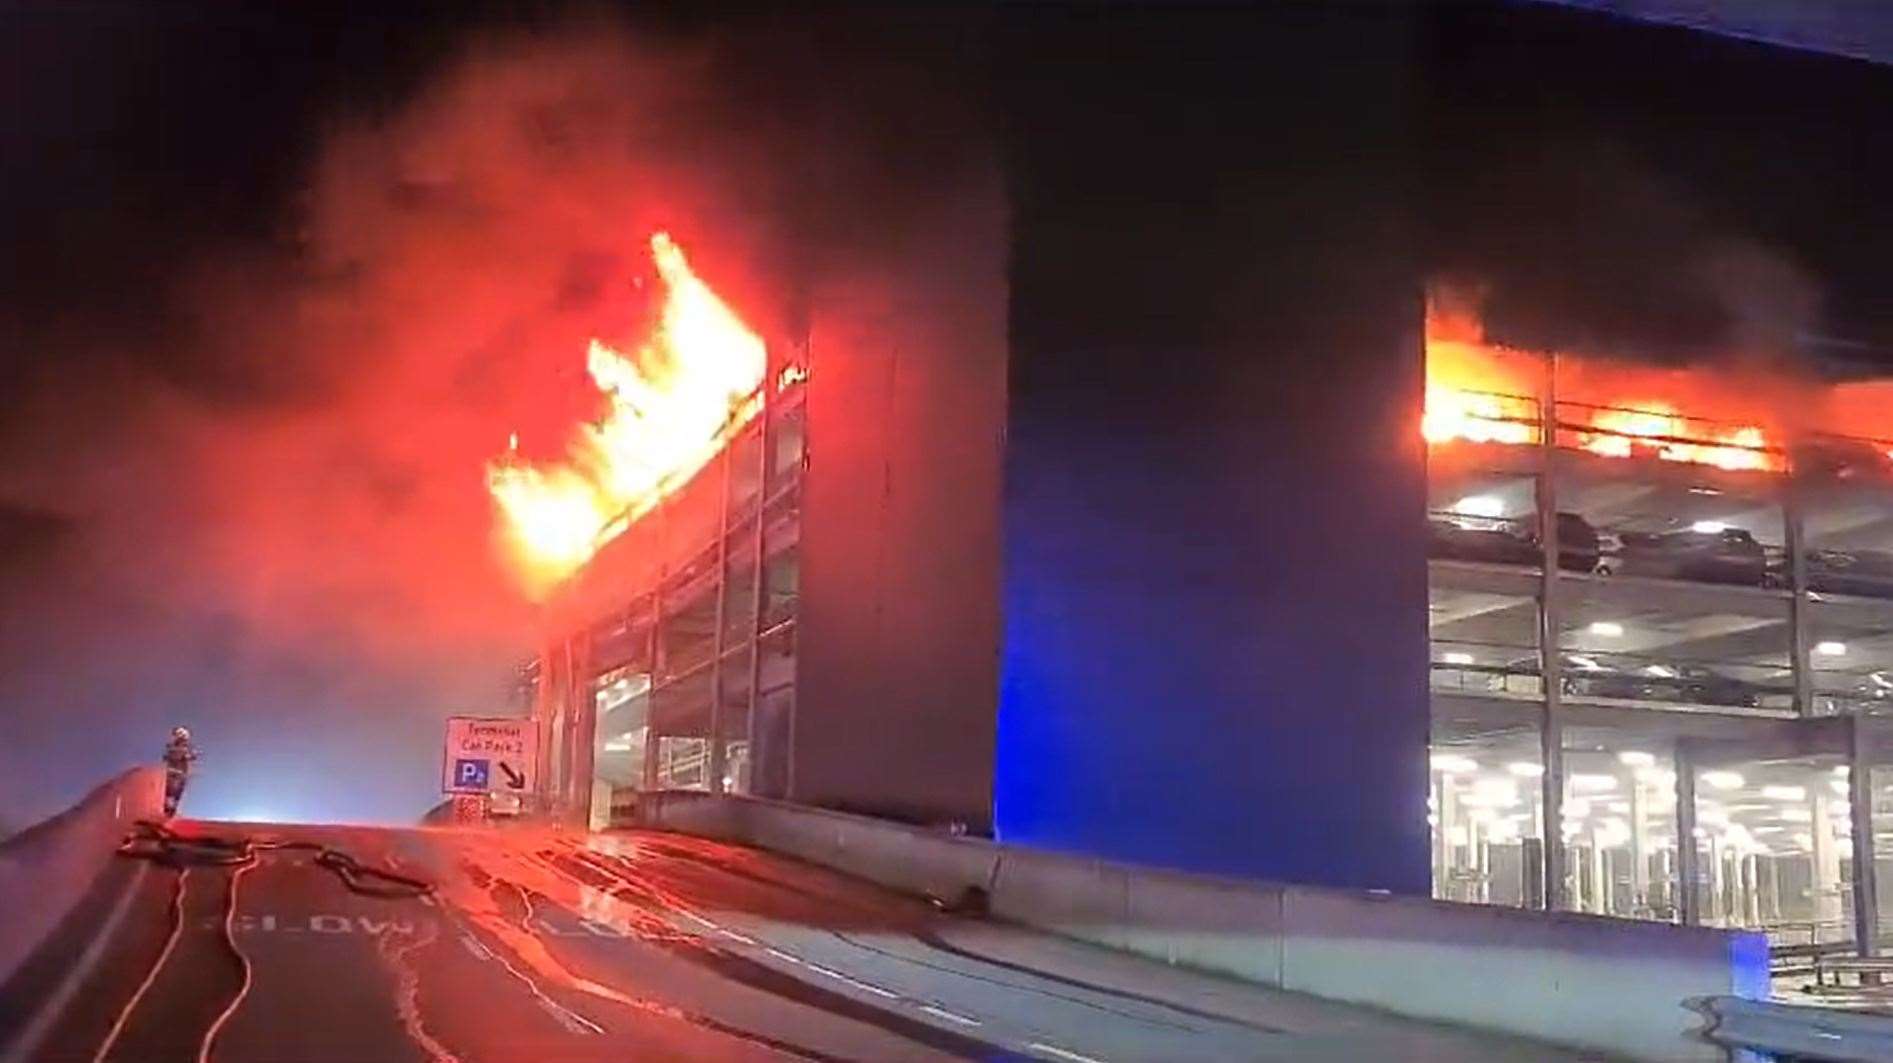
{"x": 471, "y": 774}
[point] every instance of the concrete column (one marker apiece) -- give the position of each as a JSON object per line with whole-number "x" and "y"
{"x": 764, "y": 439}
{"x": 1751, "y": 890}
{"x": 1800, "y": 639}
{"x": 1718, "y": 882}
{"x": 1774, "y": 889}
{"x": 1449, "y": 850}
{"x": 1550, "y": 660}
{"x": 1688, "y": 861}
{"x": 1866, "y": 873}
{"x": 1599, "y": 872}
{"x": 1826, "y": 859}
{"x": 1639, "y": 855}
{"x": 652, "y": 743}
{"x": 722, "y": 586}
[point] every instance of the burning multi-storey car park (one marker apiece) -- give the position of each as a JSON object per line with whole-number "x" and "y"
{"x": 1723, "y": 577}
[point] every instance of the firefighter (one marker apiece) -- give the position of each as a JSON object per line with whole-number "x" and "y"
{"x": 178, "y": 754}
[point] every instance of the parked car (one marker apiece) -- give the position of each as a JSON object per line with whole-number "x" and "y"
{"x": 1461, "y": 537}
{"x": 1839, "y": 458}
{"x": 1686, "y": 683}
{"x": 1729, "y": 555}
{"x": 1591, "y": 676}
{"x": 1864, "y": 572}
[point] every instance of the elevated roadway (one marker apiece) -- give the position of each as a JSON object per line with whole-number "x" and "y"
{"x": 614, "y": 947}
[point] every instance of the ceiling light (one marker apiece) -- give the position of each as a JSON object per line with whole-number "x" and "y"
{"x": 1839, "y": 786}
{"x": 1593, "y": 783}
{"x": 1480, "y": 506}
{"x": 1576, "y": 808}
{"x": 1525, "y": 769}
{"x": 1796, "y": 815}
{"x": 1709, "y": 527}
{"x": 1786, "y": 793}
{"x": 1456, "y": 657}
{"x": 1723, "y": 780}
{"x": 1450, "y": 764}
{"x": 1636, "y": 758}
{"x": 1609, "y": 629}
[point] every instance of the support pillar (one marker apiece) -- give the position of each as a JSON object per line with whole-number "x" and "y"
{"x": 1688, "y": 859}
{"x": 716, "y": 751}
{"x": 1800, "y": 638}
{"x": 1550, "y": 660}
{"x": 1866, "y": 871}
{"x": 1639, "y": 857}
{"x": 1826, "y": 859}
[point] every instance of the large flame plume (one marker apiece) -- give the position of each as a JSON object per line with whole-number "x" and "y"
{"x": 1481, "y": 392}
{"x": 670, "y": 406}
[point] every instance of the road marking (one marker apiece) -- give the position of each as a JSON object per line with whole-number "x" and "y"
{"x": 781, "y": 955}
{"x": 573, "y": 1022}
{"x": 27, "y": 1044}
{"x": 697, "y": 919}
{"x": 734, "y": 936}
{"x": 865, "y": 987}
{"x": 478, "y": 950}
{"x": 1062, "y": 1053}
{"x": 950, "y": 1016}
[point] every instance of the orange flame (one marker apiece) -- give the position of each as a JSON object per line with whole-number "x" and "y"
{"x": 1477, "y": 392}
{"x": 672, "y": 405}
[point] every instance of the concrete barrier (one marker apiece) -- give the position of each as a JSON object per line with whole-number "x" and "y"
{"x": 47, "y": 868}
{"x": 1587, "y": 982}
{"x": 1788, "y": 1031}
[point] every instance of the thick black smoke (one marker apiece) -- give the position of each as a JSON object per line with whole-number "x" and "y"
{"x": 288, "y": 282}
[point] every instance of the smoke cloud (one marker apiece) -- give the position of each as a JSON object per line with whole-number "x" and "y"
{"x": 267, "y": 518}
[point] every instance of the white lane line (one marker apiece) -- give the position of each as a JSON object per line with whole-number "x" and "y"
{"x": 1062, "y": 1053}
{"x": 695, "y": 918}
{"x": 865, "y": 987}
{"x": 734, "y": 936}
{"x": 478, "y": 950}
{"x": 573, "y": 1023}
{"x": 27, "y": 1043}
{"x": 950, "y": 1016}
{"x": 783, "y": 956}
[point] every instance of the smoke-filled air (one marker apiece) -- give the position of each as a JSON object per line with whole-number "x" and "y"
{"x": 296, "y": 552}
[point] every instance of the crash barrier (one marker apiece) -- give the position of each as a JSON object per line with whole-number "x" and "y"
{"x": 1586, "y": 982}
{"x": 46, "y": 869}
{"x": 1796, "y": 1031}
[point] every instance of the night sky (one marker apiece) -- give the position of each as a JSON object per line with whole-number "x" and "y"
{"x": 280, "y": 283}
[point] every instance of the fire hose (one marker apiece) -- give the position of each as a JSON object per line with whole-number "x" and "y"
{"x": 160, "y": 844}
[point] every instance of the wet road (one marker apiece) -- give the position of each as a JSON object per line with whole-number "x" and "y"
{"x": 625, "y": 946}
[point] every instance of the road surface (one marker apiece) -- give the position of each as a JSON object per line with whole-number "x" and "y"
{"x": 624, "y": 946}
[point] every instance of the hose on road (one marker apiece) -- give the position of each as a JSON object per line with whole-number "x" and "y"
{"x": 159, "y": 843}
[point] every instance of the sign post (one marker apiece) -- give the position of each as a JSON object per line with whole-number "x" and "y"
{"x": 490, "y": 756}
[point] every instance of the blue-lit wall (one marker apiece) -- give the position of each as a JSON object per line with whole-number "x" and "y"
{"x": 1214, "y": 654}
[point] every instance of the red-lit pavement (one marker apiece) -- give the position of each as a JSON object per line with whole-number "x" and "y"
{"x": 635, "y": 946}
